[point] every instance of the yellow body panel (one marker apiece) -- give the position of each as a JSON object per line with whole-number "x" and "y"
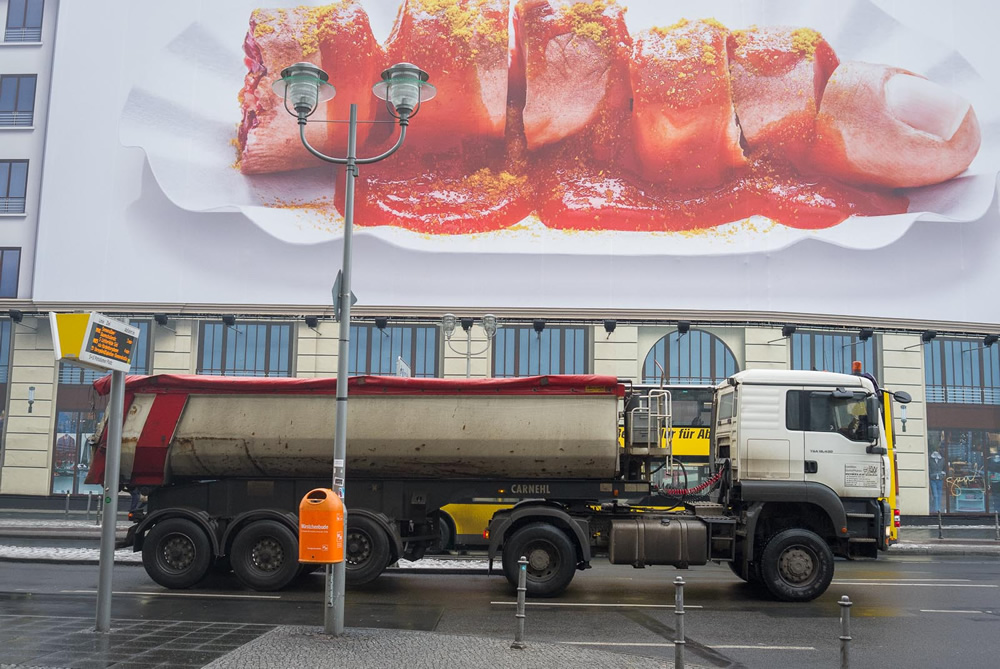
{"x": 470, "y": 519}
{"x": 890, "y": 442}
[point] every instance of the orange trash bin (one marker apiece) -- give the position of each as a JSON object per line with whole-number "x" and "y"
{"x": 321, "y": 527}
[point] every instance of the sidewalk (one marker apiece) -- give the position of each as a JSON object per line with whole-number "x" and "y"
{"x": 73, "y": 642}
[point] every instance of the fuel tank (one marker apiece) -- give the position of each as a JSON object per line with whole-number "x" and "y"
{"x": 199, "y": 427}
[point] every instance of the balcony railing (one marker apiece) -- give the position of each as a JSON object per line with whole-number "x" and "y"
{"x": 963, "y": 395}
{"x": 19, "y": 119}
{"x": 22, "y": 35}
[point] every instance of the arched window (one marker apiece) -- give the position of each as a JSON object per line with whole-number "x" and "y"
{"x": 695, "y": 357}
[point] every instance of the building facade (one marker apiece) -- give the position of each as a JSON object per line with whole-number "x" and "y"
{"x": 119, "y": 193}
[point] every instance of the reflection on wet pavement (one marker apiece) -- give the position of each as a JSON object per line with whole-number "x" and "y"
{"x": 47, "y": 641}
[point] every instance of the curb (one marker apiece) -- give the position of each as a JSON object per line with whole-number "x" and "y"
{"x": 84, "y": 561}
{"x": 137, "y": 563}
{"x": 944, "y": 549}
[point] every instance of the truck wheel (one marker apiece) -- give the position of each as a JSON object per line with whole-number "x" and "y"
{"x": 551, "y": 559}
{"x": 796, "y": 566}
{"x": 176, "y": 553}
{"x": 265, "y": 555}
{"x": 446, "y": 536}
{"x": 366, "y": 551}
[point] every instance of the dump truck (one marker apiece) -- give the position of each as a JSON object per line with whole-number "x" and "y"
{"x": 799, "y": 461}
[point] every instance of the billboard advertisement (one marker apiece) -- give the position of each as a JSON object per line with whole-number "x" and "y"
{"x": 811, "y": 157}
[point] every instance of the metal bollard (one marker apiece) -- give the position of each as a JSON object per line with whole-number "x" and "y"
{"x": 522, "y": 588}
{"x": 90, "y": 496}
{"x": 996, "y": 523}
{"x": 845, "y": 632}
{"x": 679, "y": 613}
{"x": 940, "y": 529}
{"x": 67, "y": 506}
{"x": 100, "y": 509}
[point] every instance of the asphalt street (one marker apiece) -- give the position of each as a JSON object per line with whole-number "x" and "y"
{"x": 923, "y": 610}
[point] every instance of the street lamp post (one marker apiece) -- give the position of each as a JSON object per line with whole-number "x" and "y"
{"x": 448, "y": 322}
{"x": 302, "y": 87}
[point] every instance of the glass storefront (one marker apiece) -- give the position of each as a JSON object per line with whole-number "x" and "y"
{"x": 962, "y": 379}
{"x": 71, "y": 460}
{"x": 964, "y": 471}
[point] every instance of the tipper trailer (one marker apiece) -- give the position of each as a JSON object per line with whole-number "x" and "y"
{"x": 799, "y": 461}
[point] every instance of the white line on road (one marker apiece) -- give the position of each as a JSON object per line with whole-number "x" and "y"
{"x": 897, "y": 584}
{"x": 172, "y": 594}
{"x": 899, "y": 580}
{"x": 670, "y": 644}
{"x": 951, "y": 611}
{"x": 734, "y": 647}
{"x": 585, "y": 604}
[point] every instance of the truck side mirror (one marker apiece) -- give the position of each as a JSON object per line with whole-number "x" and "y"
{"x": 902, "y": 397}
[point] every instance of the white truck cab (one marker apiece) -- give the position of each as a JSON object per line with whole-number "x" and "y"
{"x": 804, "y": 455}
{"x": 817, "y": 427}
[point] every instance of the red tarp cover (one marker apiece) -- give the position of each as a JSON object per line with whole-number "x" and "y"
{"x": 590, "y": 384}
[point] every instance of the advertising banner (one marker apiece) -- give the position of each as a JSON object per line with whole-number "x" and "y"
{"x": 781, "y": 156}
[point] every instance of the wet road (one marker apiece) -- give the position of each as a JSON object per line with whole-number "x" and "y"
{"x": 908, "y": 611}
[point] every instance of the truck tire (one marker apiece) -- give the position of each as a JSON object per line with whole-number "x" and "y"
{"x": 796, "y": 565}
{"x": 176, "y": 553}
{"x": 551, "y": 559}
{"x": 446, "y": 536}
{"x": 265, "y": 555}
{"x": 366, "y": 551}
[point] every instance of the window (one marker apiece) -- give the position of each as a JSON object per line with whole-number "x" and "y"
{"x": 831, "y": 352}
{"x": 247, "y": 349}
{"x": 375, "y": 351}
{"x": 74, "y": 375}
{"x": 24, "y": 21}
{"x": 727, "y": 406}
{"x": 17, "y": 99}
{"x": 13, "y": 186}
{"x": 961, "y": 371}
{"x": 520, "y": 351}
{"x": 822, "y": 411}
{"x": 696, "y": 357}
{"x": 10, "y": 266}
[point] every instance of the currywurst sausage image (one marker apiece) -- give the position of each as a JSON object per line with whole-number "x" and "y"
{"x": 557, "y": 109}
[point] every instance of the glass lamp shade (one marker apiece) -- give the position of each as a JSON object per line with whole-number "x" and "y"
{"x": 303, "y": 86}
{"x": 490, "y": 325}
{"x": 448, "y": 324}
{"x": 404, "y": 86}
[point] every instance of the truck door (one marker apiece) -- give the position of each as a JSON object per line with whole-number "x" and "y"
{"x": 771, "y": 449}
{"x": 837, "y": 426}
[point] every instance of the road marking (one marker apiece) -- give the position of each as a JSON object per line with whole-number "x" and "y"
{"x": 736, "y": 647}
{"x": 585, "y": 604}
{"x": 918, "y": 585}
{"x": 951, "y": 611}
{"x": 670, "y": 644}
{"x": 172, "y": 594}
{"x": 899, "y": 580}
